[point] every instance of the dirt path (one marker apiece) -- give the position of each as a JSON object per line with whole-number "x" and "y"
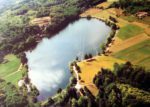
{"x": 128, "y": 43}
{"x": 78, "y": 85}
{"x": 19, "y": 69}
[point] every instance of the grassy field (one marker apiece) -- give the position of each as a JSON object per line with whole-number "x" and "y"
{"x": 124, "y": 44}
{"x": 91, "y": 68}
{"x": 128, "y": 31}
{"x": 138, "y": 54}
{"x": 131, "y": 18}
{"x": 14, "y": 78}
{"x": 9, "y": 69}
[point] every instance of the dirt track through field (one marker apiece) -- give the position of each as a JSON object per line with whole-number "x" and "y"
{"x": 19, "y": 69}
{"x": 128, "y": 43}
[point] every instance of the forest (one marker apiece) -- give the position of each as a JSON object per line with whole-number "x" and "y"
{"x": 15, "y": 25}
{"x": 134, "y": 6}
{"x": 117, "y": 88}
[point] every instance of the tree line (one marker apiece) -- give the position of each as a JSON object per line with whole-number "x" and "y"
{"x": 132, "y": 6}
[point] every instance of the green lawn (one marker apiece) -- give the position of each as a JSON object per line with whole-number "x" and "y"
{"x": 14, "y": 78}
{"x": 9, "y": 67}
{"x": 138, "y": 54}
{"x": 128, "y": 31}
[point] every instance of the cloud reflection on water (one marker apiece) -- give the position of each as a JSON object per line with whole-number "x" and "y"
{"x": 48, "y": 62}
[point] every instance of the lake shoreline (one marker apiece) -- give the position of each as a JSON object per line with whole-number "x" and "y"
{"x": 84, "y": 36}
{"x": 62, "y": 26}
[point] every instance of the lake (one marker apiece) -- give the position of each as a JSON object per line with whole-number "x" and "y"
{"x": 48, "y": 62}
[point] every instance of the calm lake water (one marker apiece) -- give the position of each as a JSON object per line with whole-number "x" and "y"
{"x": 48, "y": 62}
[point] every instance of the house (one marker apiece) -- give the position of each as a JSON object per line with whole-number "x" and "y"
{"x": 141, "y": 15}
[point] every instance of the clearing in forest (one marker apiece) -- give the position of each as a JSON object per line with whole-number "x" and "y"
{"x": 43, "y": 21}
{"x": 90, "y": 68}
{"x": 9, "y": 69}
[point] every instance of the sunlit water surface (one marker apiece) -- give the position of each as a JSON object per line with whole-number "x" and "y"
{"x": 48, "y": 62}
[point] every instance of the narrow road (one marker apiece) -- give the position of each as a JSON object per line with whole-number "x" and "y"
{"x": 78, "y": 85}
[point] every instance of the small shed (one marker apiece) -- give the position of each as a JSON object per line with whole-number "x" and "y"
{"x": 141, "y": 15}
{"x": 21, "y": 83}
